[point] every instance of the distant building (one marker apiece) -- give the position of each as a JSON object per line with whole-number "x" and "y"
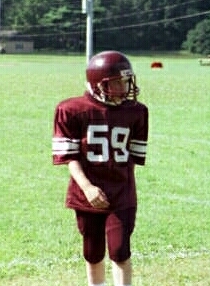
{"x": 13, "y": 43}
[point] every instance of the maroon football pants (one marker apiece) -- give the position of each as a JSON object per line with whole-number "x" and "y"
{"x": 116, "y": 228}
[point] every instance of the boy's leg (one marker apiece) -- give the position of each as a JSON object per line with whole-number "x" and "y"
{"x": 92, "y": 228}
{"x": 119, "y": 228}
{"x": 95, "y": 273}
{"x": 122, "y": 272}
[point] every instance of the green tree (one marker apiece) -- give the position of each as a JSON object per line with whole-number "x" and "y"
{"x": 23, "y": 13}
{"x": 119, "y": 24}
{"x": 63, "y": 26}
{"x": 198, "y": 39}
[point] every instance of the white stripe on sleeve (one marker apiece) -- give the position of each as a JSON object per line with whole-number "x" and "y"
{"x": 138, "y": 148}
{"x": 64, "y": 146}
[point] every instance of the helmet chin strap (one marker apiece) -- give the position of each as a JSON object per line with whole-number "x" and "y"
{"x": 101, "y": 97}
{"x": 115, "y": 101}
{"x": 89, "y": 88}
{"x": 104, "y": 98}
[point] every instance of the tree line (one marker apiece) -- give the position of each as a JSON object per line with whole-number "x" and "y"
{"x": 120, "y": 24}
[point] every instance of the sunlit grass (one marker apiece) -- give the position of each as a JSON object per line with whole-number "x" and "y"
{"x": 39, "y": 243}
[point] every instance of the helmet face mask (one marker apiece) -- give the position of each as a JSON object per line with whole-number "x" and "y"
{"x": 111, "y": 79}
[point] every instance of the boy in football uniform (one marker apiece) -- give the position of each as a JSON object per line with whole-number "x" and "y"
{"x": 101, "y": 136}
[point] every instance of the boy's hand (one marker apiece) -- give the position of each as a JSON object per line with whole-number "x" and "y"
{"x": 94, "y": 194}
{"x": 96, "y": 197}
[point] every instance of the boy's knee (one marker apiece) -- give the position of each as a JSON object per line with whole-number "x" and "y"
{"x": 93, "y": 259}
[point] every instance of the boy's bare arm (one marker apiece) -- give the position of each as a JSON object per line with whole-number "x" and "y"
{"x": 94, "y": 194}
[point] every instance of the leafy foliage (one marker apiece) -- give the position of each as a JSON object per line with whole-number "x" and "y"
{"x": 198, "y": 40}
{"x": 120, "y": 24}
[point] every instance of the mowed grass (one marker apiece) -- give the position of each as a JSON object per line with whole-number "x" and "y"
{"x": 39, "y": 242}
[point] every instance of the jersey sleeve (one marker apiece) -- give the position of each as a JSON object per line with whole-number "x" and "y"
{"x": 66, "y": 139}
{"x": 138, "y": 142}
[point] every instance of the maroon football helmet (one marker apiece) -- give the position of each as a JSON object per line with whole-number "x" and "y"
{"x": 108, "y": 66}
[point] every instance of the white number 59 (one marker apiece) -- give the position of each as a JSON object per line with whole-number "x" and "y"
{"x": 119, "y": 139}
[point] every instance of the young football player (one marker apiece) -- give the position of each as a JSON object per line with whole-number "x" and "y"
{"x": 101, "y": 136}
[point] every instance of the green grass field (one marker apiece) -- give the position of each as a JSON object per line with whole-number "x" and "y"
{"x": 39, "y": 242}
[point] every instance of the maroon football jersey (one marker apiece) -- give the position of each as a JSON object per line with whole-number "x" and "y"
{"x": 108, "y": 141}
